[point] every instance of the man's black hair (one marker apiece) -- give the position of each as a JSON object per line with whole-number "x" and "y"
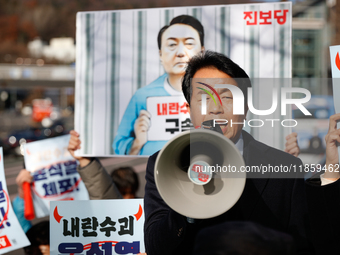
{"x": 211, "y": 59}
{"x": 125, "y": 179}
{"x": 38, "y": 234}
{"x": 186, "y": 20}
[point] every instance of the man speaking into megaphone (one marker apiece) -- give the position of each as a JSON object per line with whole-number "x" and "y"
{"x": 306, "y": 210}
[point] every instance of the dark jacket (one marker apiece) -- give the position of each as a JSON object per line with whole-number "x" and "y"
{"x": 308, "y": 212}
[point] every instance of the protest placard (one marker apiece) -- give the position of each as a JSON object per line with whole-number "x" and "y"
{"x": 54, "y": 171}
{"x": 97, "y": 226}
{"x": 12, "y": 237}
{"x": 335, "y": 65}
{"x": 169, "y": 116}
{"x": 121, "y": 63}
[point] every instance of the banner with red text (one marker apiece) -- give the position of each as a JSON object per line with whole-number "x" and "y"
{"x": 97, "y": 227}
{"x": 12, "y": 236}
{"x": 121, "y": 63}
{"x": 54, "y": 172}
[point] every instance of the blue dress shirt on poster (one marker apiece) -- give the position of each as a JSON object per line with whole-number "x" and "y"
{"x": 125, "y": 133}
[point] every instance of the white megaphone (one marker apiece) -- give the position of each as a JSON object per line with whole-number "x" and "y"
{"x": 197, "y": 173}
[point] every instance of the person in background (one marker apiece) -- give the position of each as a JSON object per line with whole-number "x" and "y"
{"x": 126, "y": 181}
{"x": 18, "y": 202}
{"x": 39, "y": 237}
{"x": 123, "y": 182}
{"x": 98, "y": 182}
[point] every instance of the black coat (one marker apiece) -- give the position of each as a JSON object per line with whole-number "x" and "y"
{"x": 307, "y": 211}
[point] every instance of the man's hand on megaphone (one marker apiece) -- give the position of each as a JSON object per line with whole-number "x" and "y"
{"x": 141, "y": 128}
{"x": 291, "y": 145}
{"x": 73, "y": 145}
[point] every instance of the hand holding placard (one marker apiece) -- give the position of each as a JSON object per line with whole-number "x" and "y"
{"x": 141, "y": 128}
{"x": 73, "y": 145}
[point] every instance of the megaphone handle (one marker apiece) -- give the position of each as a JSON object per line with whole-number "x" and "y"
{"x": 28, "y": 202}
{"x": 190, "y": 220}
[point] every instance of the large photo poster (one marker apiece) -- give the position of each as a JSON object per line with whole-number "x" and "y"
{"x": 130, "y": 64}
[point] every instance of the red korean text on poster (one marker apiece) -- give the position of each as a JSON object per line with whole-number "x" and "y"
{"x": 265, "y": 17}
{"x": 4, "y": 242}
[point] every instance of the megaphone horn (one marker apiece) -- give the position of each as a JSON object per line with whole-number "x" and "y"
{"x": 189, "y": 180}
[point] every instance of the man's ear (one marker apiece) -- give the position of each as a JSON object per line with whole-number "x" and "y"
{"x": 202, "y": 49}
{"x": 188, "y": 107}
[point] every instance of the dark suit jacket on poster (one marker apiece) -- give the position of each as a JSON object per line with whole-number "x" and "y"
{"x": 306, "y": 210}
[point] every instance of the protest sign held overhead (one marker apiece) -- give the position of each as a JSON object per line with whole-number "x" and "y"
{"x": 54, "y": 172}
{"x": 142, "y": 54}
